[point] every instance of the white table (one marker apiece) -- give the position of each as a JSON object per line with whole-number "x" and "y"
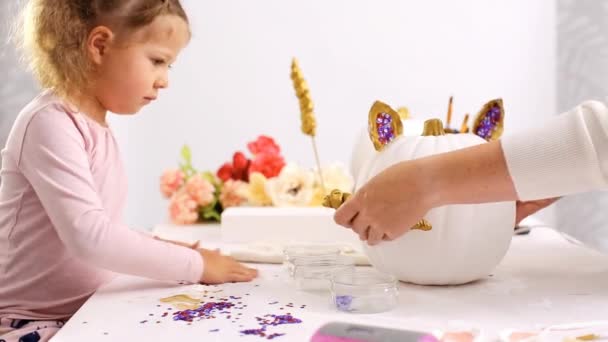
{"x": 543, "y": 280}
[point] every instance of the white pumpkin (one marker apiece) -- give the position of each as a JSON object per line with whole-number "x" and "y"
{"x": 466, "y": 242}
{"x": 363, "y": 150}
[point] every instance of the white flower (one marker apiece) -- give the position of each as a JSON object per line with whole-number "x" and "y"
{"x": 294, "y": 186}
{"x": 335, "y": 176}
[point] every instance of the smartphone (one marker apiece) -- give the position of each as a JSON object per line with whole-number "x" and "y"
{"x": 349, "y": 332}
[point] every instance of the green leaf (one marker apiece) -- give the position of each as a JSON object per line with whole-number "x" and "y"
{"x": 211, "y": 206}
{"x": 187, "y": 155}
{"x": 212, "y": 215}
{"x": 210, "y": 212}
{"x": 210, "y": 176}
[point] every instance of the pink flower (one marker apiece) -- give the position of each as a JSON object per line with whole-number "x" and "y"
{"x": 171, "y": 181}
{"x": 182, "y": 208}
{"x": 200, "y": 190}
{"x": 264, "y": 145}
{"x": 233, "y": 193}
{"x": 270, "y": 165}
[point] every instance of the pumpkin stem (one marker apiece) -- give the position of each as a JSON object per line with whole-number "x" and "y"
{"x": 433, "y": 127}
{"x": 404, "y": 113}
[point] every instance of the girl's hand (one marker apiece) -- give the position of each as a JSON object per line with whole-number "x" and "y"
{"x": 219, "y": 268}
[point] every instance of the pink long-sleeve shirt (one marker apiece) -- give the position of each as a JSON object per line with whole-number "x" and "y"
{"x": 62, "y": 194}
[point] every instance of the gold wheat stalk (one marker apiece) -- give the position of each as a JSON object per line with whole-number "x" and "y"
{"x": 307, "y": 115}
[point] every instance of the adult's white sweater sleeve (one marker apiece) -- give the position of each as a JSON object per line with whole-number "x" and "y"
{"x": 567, "y": 155}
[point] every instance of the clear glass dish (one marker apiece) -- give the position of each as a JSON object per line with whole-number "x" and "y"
{"x": 364, "y": 291}
{"x": 316, "y": 274}
{"x": 308, "y": 254}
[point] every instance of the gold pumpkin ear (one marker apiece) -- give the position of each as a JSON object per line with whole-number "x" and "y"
{"x": 384, "y": 125}
{"x": 488, "y": 123}
{"x": 335, "y": 199}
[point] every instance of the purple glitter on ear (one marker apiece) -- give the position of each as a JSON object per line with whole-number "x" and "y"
{"x": 489, "y": 122}
{"x": 343, "y": 302}
{"x": 384, "y": 128}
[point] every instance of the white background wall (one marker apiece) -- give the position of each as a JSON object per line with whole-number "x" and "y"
{"x": 582, "y": 73}
{"x": 232, "y": 82}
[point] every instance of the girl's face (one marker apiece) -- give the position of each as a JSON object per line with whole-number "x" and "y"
{"x": 130, "y": 74}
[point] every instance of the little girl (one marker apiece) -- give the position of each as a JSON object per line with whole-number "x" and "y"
{"x": 63, "y": 185}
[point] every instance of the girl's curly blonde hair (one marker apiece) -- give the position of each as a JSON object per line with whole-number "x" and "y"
{"x": 53, "y": 34}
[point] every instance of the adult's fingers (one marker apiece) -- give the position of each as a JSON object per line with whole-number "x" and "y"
{"x": 347, "y": 212}
{"x": 375, "y": 236}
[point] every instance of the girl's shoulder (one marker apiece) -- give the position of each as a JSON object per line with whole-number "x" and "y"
{"x": 47, "y": 117}
{"x": 47, "y": 108}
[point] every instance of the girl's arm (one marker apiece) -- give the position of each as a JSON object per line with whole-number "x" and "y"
{"x": 54, "y": 161}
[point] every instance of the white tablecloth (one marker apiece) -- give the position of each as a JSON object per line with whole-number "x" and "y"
{"x": 542, "y": 281}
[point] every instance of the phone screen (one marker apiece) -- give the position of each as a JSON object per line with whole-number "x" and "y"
{"x": 348, "y": 332}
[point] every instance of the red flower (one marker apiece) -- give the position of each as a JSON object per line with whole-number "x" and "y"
{"x": 237, "y": 170}
{"x": 264, "y": 145}
{"x": 225, "y": 172}
{"x": 270, "y": 165}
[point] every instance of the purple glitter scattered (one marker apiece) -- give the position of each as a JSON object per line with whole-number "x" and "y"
{"x": 272, "y": 336}
{"x": 271, "y": 320}
{"x": 205, "y": 311}
{"x": 227, "y": 308}
{"x": 278, "y": 320}
{"x": 255, "y": 332}
{"x": 343, "y": 302}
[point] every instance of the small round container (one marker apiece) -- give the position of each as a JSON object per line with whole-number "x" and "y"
{"x": 364, "y": 291}
{"x": 307, "y": 254}
{"x": 316, "y": 274}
